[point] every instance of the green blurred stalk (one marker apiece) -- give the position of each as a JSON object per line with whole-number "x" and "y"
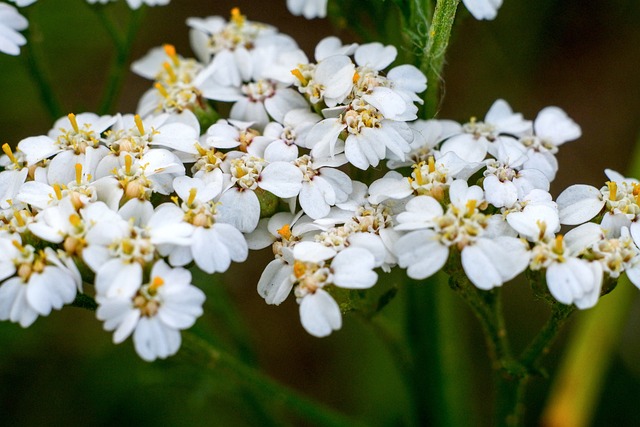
{"x": 33, "y": 57}
{"x": 122, "y": 43}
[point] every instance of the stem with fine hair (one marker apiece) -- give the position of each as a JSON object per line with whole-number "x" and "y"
{"x": 432, "y": 60}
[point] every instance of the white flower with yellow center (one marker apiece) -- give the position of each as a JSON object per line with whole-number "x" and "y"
{"x": 619, "y": 198}
{"x": 173, "y": 90}
{"x": 282, "y": 231}
{"x": 13, "y": 177}
{"x": 506, "y": 181}
{"x": 239, "y": 204}
{"x": 212, "y": 244}
{"x": 155, "y": 312}
{"x": 227, "y": 44}
{"x": 330, "y": 81}
{"x": 570, "y": 279}
{"x": 488, "y": 262}
{"x": 36, "y": 281}
{"x": 73, "y": 139}
{"x": 394, "y": 94}
{"x": 316, "y": 267}
{"x": 280, "y": 142}
{"x": 118, "y": 250}
{"x": 367, "y": 135}
{"x": 41, "y": 195}
{"x": 551, "y": 128}
{"x": 140, "y": 178}
{"x": 473, "y": 143}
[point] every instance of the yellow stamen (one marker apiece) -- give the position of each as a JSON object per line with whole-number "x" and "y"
{"x": 162, "y": 90}
{"x": 127, "y": 164}
{"x": 19, "y": 218}
{"x": 139, "y": 124}
{"x": 127, "y": 247}
{"x": 296, "y": 72}
{"x": 155, "y": 284}
{"x": 237, "y": 17}
{"x": 240, "y": 172}
{"x": 299, "y": 269}
{"x": 613, "y": 190}
{"x": 285, "y": 232}
{"x": 356, "y": 77}
{"x": 17, "y": 245}
{"x": 75, "y": 220}
{"x": 170, "y": 50}
{"x": 432, "y": 164}
{"x": 417, "y": 169}
{"x": 58, "y": 191}
{"x": 558, "y": 247}
{"x": 192, "y": 196}
{"x": 201, "y": 149}
{"x": 9, "y": 153}
{"x": 78, "y": 173}
{"x": 172, "y": 75}
{"x": 471, "y": 205}
{"x": 74, "y": 122}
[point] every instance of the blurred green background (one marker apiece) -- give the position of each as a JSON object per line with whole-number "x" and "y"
{"x": 581, "y": 56}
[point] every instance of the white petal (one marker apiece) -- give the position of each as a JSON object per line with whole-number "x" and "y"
{"x": 320, "y": 314}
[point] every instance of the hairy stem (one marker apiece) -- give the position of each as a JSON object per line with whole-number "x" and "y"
{"x": 432, "y": 61}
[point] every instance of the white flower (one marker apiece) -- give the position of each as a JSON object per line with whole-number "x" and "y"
{"x": 74, "y": 139}
{"x": 506, "y": 181}
{"x": 488, "y": 262}
{"x": 154, "y": 312}
{"x": 551, "y": 129}
{"x": 43, "y": 282}
{"x": 580, "y": 203}
{"x": 239, "y": 205}
{"x": 473, "y": 143}
{"x": 174, "y": 90}
{"x": 308, "y": 8}
{"x": 351, "y": 268}
{"x": 321, "y": 187}
{"x": 213, "y": 245}
{"x": 483, "y": 9}
{"x": 369, "y": 136}
{"x": 283, "y": 231}
{"x": 10, "y": 23}
{"x": 570, "y": 279}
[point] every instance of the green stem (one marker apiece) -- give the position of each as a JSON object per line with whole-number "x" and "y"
{"x": 541, "y": 344}
{"x": 511, "y": 375}
{"x": 123, "y": 46}
{"x": 279, "y": 397}
{"x": 438, "y": 378}
{"x": 34, "y": 60}
{"x": 433, "y": 56}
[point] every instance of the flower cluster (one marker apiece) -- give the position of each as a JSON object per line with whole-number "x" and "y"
{"x": 119, "y": 206}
